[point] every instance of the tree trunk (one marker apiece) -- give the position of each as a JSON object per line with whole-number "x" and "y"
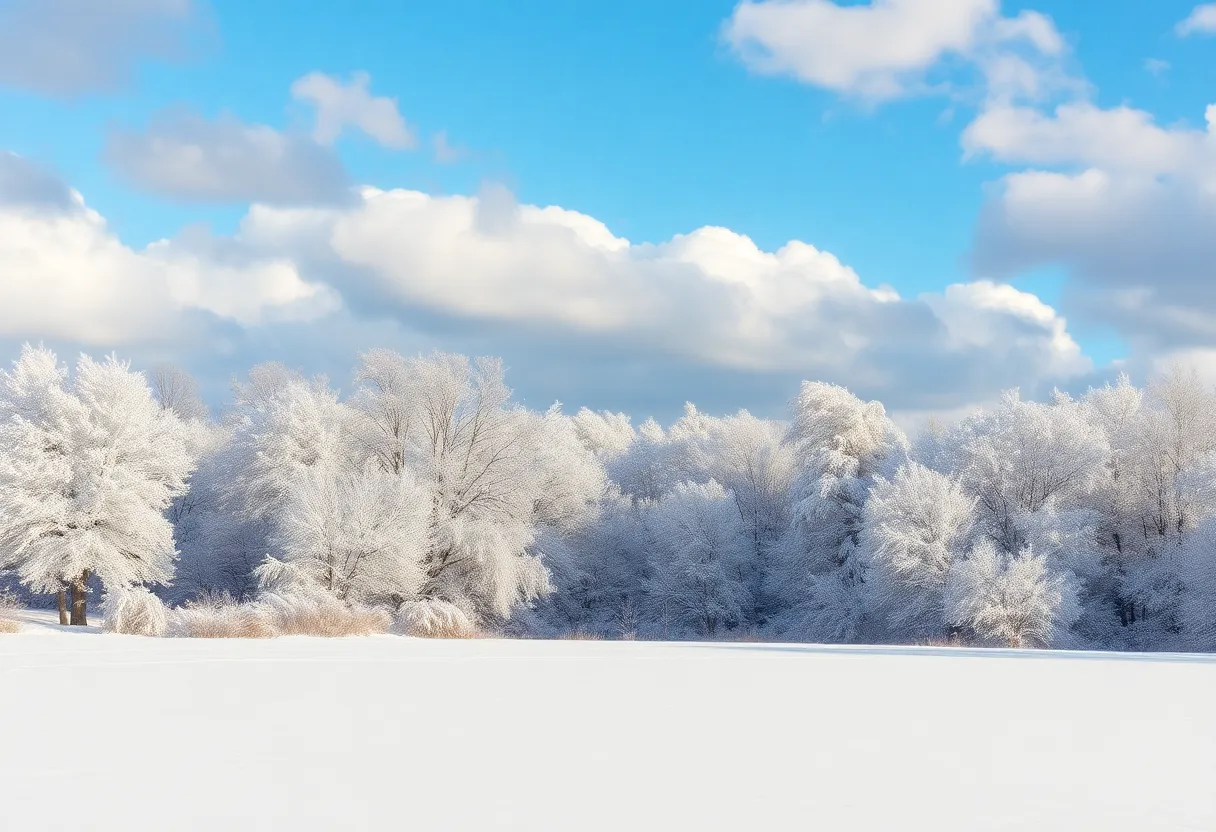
{"x": 62, "y": 598}
{"x": 80, "y": 586}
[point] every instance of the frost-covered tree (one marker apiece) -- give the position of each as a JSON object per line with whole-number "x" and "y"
{"x": 1022, "y": 457}
{"x": 360, "y": 535}
{"x": 494, "y": 474}
{"x": 915, "y": 527}
{"x": 699, "y": 556}
{"x": 177, "y": 390}
{"x": 88, "y": 467}
{"x": 817, "y": 576}
{"x": 1016, "y": 600}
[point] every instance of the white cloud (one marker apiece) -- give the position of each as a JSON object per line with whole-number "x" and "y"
{"x": 887, "y": 48}
{"x": 185, "y": 156}
{"x": 340, "y": 105}
{"x": 1119, "y": 139}
{"x": 710, "y": 296}
{"x": 1201, "y": 21}
{"x": 31, "y": 186}
{"x": 67, "y": 276}
{"x": 708, "y": 311}
{"x": 1126, "y": 205}
{"x": 66, "y": 47}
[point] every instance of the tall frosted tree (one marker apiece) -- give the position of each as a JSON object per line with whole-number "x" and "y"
{"x": 495, "y": 475}
{"x": 88, "y": 468}
{"x": 699, "y": 560}
{"x": 817, "y": 575}
{"x": 915, "y": 527}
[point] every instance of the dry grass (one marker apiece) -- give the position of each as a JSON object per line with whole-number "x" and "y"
{"x": 9, "y": 604}
{"x": 324, "y": 616}
{"x": 219, "y": 621}
{"x": 278, "y": 615}
{"x": 430, "y": 618}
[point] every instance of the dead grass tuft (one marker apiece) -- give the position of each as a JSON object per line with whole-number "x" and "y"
{"x": 9, "y": 625}
{"x": 278, "y": 615}
{"x": 432, "y": 618}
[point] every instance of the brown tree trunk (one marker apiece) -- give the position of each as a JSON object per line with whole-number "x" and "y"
{"x": 80, "y": 587}
{"x": 62, "y": 598}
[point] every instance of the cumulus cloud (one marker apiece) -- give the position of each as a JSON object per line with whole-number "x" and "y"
{"x": 66, "y": 47}
{"x": 1120, "y": 139}
{"x": 887, "y": 48}
{"x": 24, "y": 184}
{"x": 585, "y": 315}
{"x": 1201, "y": 21}
{"x": 66, "y": 275}
{"x": 340, "y": 106}
{"x": 1126, "y": 205}
{"x": 182, "y": 155}
{"x": 710, "y": 297}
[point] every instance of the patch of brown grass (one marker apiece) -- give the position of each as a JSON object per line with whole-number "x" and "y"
{"x": 291, "y": 616}
{"x": 278, "y": 615}
{"x": 9, "y": 625}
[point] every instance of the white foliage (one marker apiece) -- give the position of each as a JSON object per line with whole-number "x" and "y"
{"x": 430, "y": 618}
{"x": 360, "y": 534}
{"x": 915, "y": 527}
{"x": 817, "y": 575}
{"x": 87, "y": 471}
{"x": 699, "y": 559}
{"x": 134, "y": 611}
{"x": 1023, "y": 456}
{"x": 1016, "y": 600}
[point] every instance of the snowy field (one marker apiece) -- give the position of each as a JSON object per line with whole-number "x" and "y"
{"x": 394, "y": 733}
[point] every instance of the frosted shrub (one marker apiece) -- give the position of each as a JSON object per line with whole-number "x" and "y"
{"x": 219, "y": 618}
{"x": 134, "y": 611}
{"x": 1016, "y": 600}
{"x": 9, "y": 604}
{"x": 278, "y": 614}
{"x": 320, "y": 614}
{"x": 431, "y": 618}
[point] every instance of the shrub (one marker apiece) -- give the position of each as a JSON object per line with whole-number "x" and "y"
{"x": 277, "y": 614}
{"x": 134, "y": 611}
{"x": 430, "y": 618}
{"x": 321, "y": 614}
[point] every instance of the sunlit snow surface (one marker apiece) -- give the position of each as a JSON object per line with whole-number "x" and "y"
{"x": 394, "y": 733}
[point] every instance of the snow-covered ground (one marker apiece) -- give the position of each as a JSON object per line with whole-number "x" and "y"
{"x": 395, "y": 733}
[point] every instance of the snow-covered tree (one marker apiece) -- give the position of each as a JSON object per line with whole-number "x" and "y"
{"x": 360, "y": 535}
{"x": 88, "y": 468}
{"x": 494, "y": 474}
{"x": 915, "y": 526}
{"x": 700, "y": 550}
{"x": 816, "y": 574}
{"x": 1016, "y": 600}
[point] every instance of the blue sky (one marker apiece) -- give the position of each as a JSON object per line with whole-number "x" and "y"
{"x": 651, "y": 119}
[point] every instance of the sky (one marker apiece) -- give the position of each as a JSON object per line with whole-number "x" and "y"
{"x": 634, "y": 204}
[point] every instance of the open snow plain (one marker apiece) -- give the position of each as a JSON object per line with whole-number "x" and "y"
{"x": 394, "y": 733}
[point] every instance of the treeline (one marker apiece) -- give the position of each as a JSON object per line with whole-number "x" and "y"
{"x": 427, "y": 493}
